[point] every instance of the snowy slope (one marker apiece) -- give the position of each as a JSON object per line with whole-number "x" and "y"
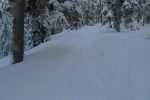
{"x": 88, "y": 64}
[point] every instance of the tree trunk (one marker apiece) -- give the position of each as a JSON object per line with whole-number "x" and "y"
{"x": 117, "y": 15}
{"x": 139, "y": 12}
{"x": 143, "y": 17}
{"x": 18, "y": 31}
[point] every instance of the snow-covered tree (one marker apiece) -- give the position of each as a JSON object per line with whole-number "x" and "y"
{"x": 91, "y": 11}
{"x": 118, "y": 12}
{"x": 33, "y": 27}
{"x": 111, "y": 13}
{"x": 43, "y": 19}
{"x": 5, "y": 29}
{"x": 73, "y": 14}
{"x": 130, "y": 10}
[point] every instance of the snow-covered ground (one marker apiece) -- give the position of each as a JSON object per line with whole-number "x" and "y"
{"x": 87, "y": 64}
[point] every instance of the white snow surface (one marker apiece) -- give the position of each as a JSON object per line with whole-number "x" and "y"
{"x": 88, "y": 64}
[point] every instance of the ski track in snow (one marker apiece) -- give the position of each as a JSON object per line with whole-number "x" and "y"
{"x": 87, "y": 64}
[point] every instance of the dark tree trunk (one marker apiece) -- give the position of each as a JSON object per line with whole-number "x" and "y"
{"x": 143, "y": 17}
{"x": 139, "y": 12}
{"x": 18, "y": 31}
{"x": 117, "y": 15}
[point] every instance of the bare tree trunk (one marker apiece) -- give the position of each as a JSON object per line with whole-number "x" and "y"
{"x": 117, "y": 15}
{"x": 143, "y": 18}
{"x": 18, "y": 31}
{"x": 101, "y": 8}
{"x": 139, "y": 12}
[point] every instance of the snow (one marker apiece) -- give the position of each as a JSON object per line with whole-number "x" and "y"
{"x": 6, "y": 61}
{"x": 68, "y": 4}
{"x": 88, "y": 64}
{"x": 109, "y": 14}
{"x": 126, "y": 3}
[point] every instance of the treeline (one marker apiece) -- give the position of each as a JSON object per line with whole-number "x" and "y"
{"x": 44, "y": 18}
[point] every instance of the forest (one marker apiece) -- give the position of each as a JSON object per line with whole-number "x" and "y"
{"x": 26, "y": 24}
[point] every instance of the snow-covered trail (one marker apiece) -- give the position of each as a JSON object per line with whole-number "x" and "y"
{"x": 87, "y": 64}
